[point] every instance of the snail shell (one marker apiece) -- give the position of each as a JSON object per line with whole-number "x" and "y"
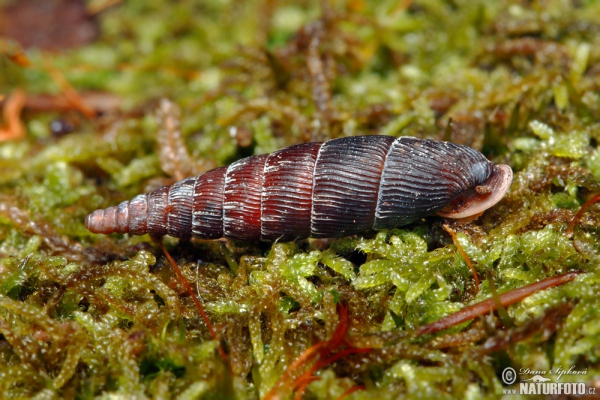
{"x": 332, "y": 189}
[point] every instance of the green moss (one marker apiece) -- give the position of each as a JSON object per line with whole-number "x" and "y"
{"x": 85, "y": 316}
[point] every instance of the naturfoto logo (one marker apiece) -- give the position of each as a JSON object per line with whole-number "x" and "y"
{"x": 545, "y": 382}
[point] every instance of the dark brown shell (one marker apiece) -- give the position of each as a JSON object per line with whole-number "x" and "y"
{"x": 331, "y": 189}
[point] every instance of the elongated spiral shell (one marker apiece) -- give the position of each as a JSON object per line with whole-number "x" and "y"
{"x": 331, "y": 189}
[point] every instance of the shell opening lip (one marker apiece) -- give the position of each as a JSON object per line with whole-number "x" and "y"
{"x": 474, "y": 204}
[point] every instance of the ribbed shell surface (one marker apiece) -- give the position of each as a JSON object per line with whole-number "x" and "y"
{"x": 179, "y": 209}
{"x": 287, "y": 192}
{"x": 207, "y": 214}
{"x": 242, "y": 198}
{"x": 420, "y": 177}
{"x": 337, "y": 188}
{"x": 346, "y": 183}
{"x": 158, "y": 211}
{"x": 138, "y": 214}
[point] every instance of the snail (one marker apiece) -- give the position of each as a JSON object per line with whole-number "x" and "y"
{"x": 336, "y": 188}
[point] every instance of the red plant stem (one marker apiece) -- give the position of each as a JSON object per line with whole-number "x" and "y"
{"x": 343, "y": 354}
{"x": 488, "y": 305}
{"x": 337, "y": 338}
{"x": 307, "y": 377}
{"x": 304, "y": 358}
{"x": 595, "y": 198}
{"x": 464, "y": 256}
{"x": 188, "y": 288}
{"x": 321, "y": 348}
{"x": 341, "y": 329}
